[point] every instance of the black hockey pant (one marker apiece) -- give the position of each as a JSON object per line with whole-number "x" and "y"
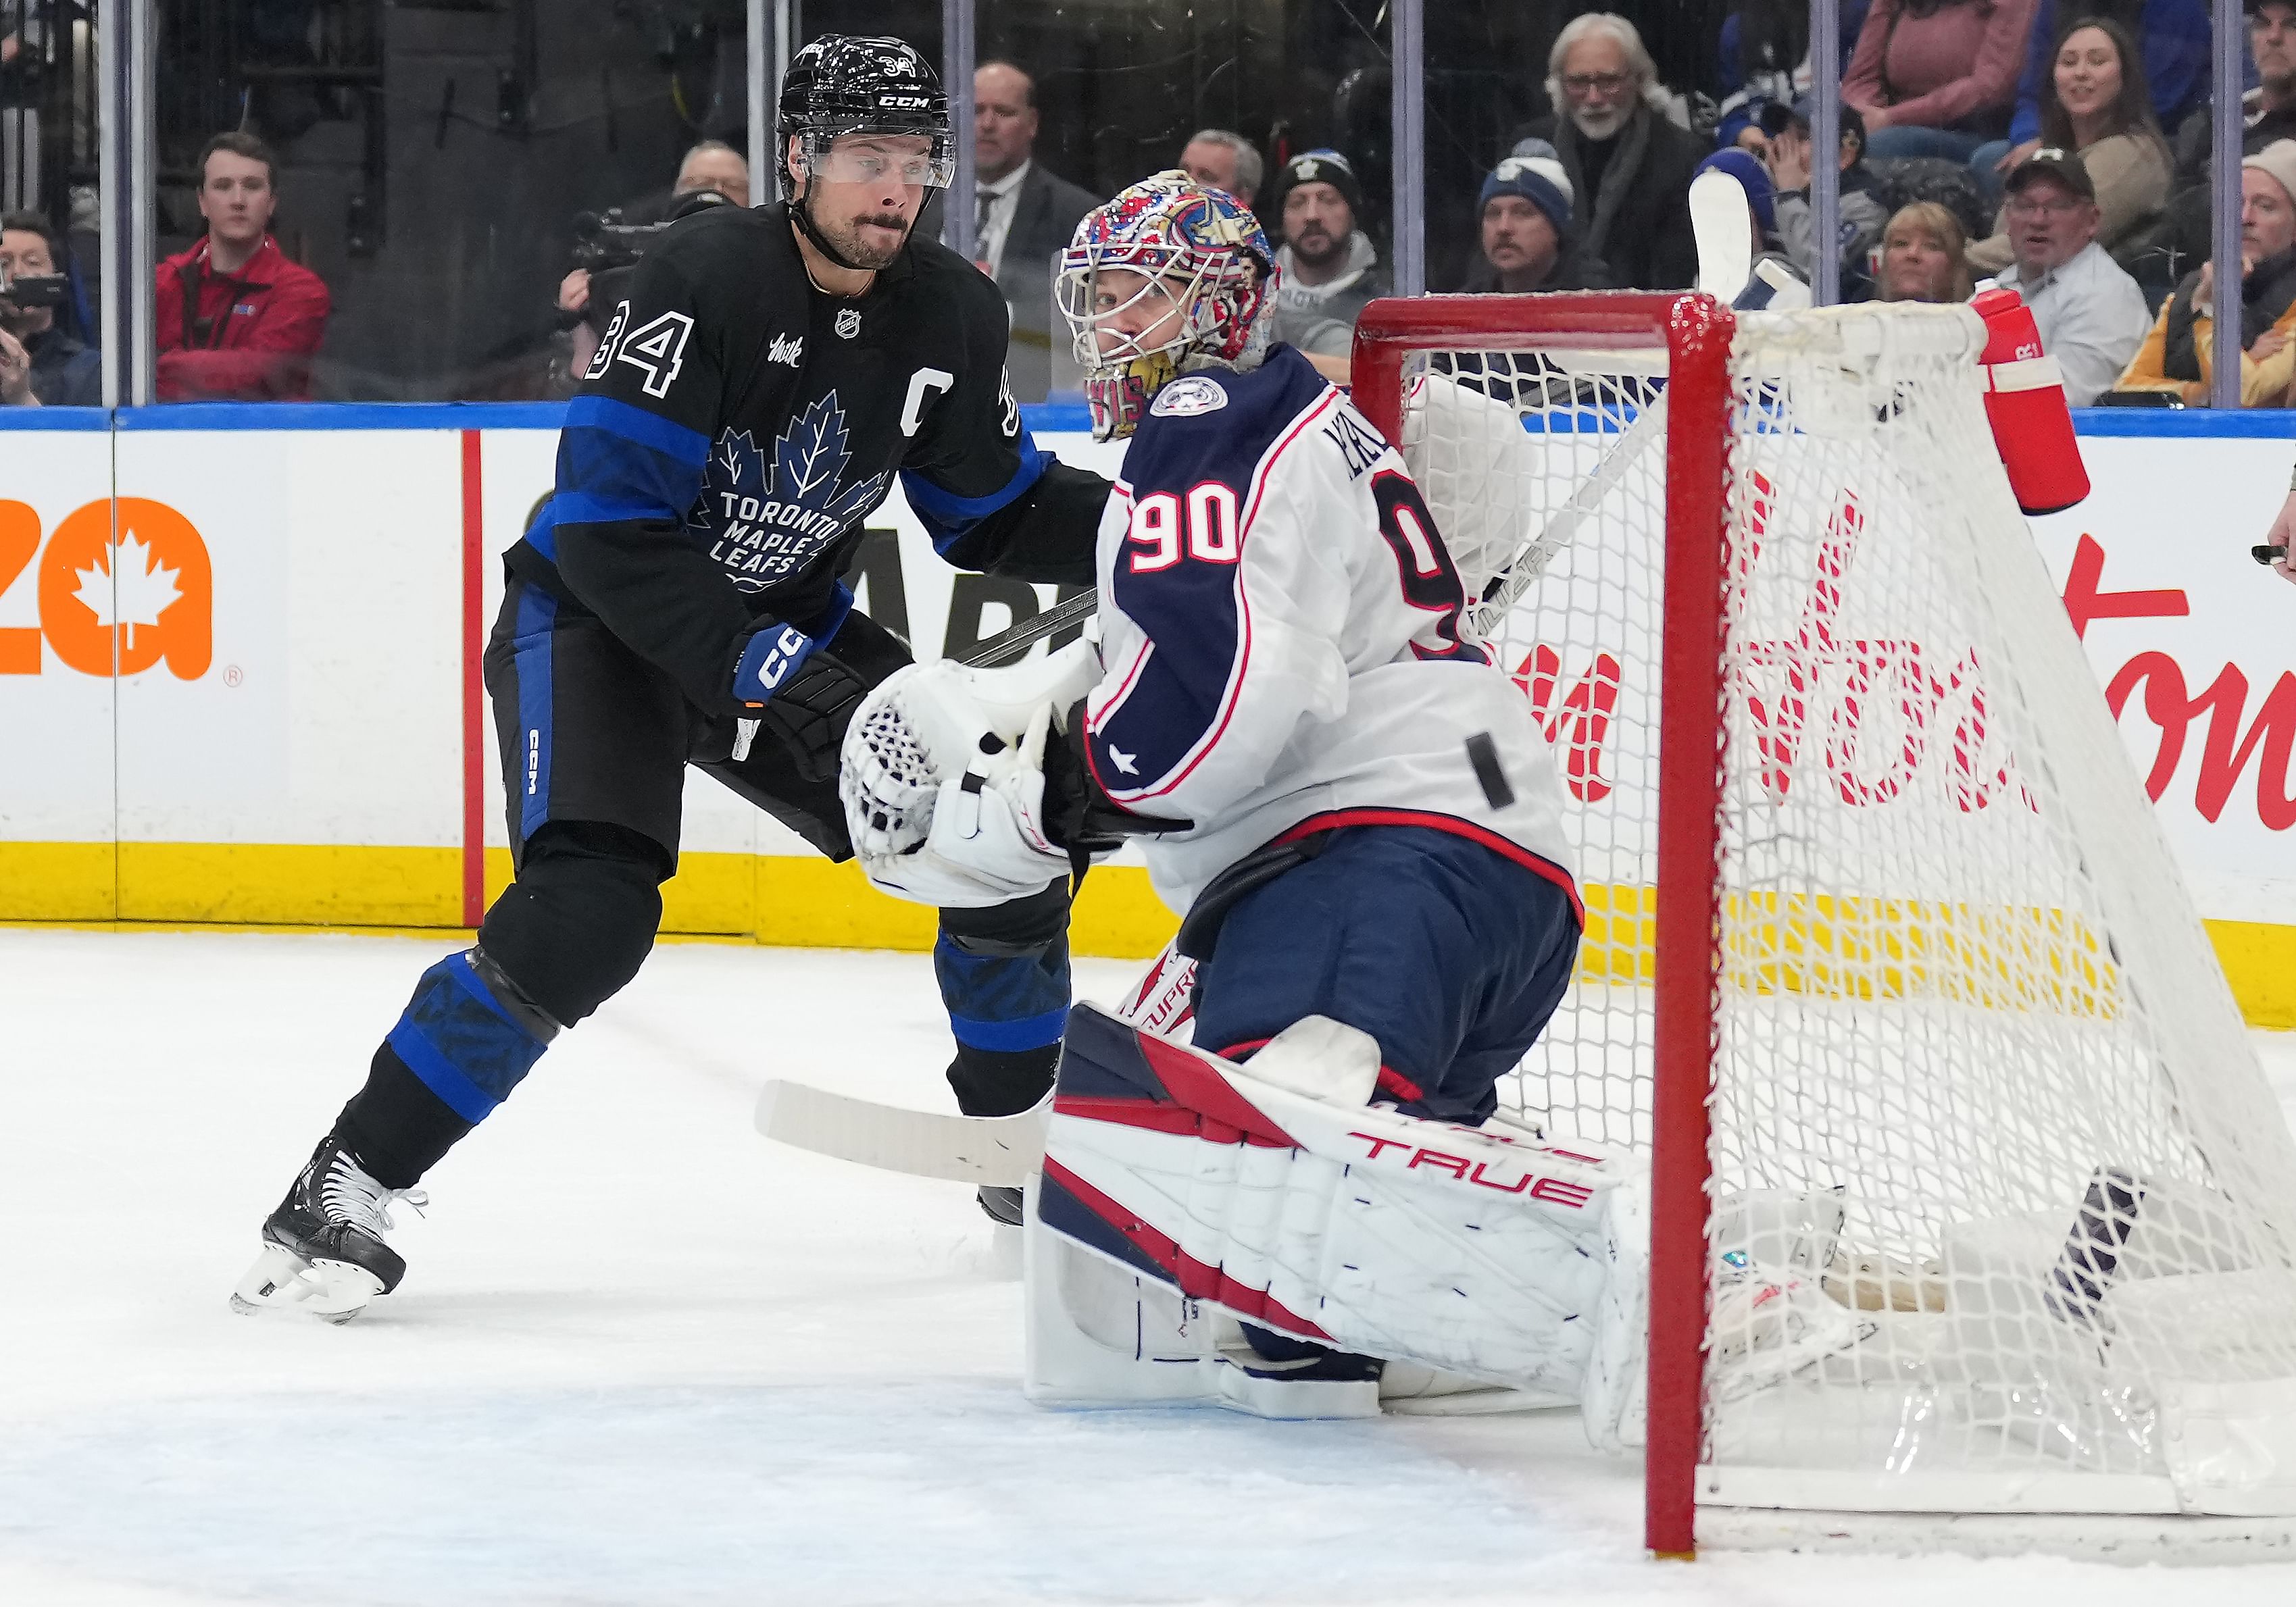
{"x": 594, "y": 745}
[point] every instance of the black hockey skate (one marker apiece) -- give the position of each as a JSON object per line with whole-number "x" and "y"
{"x": 323, "y": 1249}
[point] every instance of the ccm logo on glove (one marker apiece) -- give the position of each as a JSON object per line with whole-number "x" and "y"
{"x": 772, "y": 655}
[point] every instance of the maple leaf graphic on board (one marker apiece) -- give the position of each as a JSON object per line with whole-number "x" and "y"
{"x": 127, "y": 586}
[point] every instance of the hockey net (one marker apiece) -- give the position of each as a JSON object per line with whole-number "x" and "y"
{"x": 1886, "y": 959}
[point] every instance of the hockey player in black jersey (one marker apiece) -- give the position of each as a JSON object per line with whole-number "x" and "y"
{"x": 679, "y": 602}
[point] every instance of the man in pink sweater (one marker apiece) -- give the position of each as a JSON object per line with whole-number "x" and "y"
{"x": 1937, "y": 78}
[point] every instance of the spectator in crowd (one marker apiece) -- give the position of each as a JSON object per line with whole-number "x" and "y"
{"x": 237, "y": 321}
{"x": 42, "y": 362}
{"x": 1862, "y": 211}
{"x": 1529, "y": 242}
{"x": 712, "y": 165}
{"x": 1328, "y": 261}
{"x": 2172, "y": 50}
{"x": 1764, "y": 58}
{"x": 1923, "y": 256}
{"x": 1227, "y": 162}
{"x": 2089, "y": 312}
{"x": 2097, "y": 105}
{"x": 1629, "y": 165}
{"x": 1773, "y": 276}
{"x": 2268, "y": 113}
{"x": 2178, "y": 356}
{"x": 1936, "y": 78}
{"x": 1023, "y": 215}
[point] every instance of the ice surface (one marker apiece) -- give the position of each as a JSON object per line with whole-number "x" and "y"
{"x": 645, "y": 1357}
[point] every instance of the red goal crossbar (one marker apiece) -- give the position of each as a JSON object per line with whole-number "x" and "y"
{"x": 1696, "y": 332}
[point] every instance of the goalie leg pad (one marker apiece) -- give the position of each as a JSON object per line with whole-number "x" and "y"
{"x": 1357, "y": 1228}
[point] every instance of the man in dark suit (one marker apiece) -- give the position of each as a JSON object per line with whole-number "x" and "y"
{"x": 1023, "y": 217}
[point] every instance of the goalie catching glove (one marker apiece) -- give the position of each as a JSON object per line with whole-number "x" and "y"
{"x": 942, "y": 778}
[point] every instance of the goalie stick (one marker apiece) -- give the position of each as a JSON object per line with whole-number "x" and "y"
{"x": 991, "y": 1151}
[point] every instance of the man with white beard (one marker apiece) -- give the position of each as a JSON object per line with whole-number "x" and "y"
{"x": 1629, "y": 165}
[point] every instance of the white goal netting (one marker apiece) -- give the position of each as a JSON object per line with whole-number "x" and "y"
{"x": 1981, "y": 1101}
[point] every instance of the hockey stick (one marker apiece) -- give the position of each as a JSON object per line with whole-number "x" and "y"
{"x": 985, "y": 1151}
{"x": 1007, "y": 645}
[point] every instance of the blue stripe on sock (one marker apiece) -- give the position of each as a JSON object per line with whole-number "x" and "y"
{"x": 459, "y": 1039}
{"x": 457, "y": 1092}
{"x": 1028, "y": 1032}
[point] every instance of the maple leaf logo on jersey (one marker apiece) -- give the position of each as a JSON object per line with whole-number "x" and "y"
{"x": 127, "y": 586}
{"x": 764, "y": 524}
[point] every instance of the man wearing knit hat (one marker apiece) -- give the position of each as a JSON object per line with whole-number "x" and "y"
{"x": 2090, "y": 313}
{"x": 1326, "y": 260}
{"x": 1528, "y": 243}
{"x": 2178, "y": 355}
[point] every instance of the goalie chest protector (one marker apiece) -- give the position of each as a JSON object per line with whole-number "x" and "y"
{"x": 1282, "y": 640}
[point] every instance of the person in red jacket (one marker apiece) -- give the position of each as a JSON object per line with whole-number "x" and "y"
{"x": 237, "y": 321}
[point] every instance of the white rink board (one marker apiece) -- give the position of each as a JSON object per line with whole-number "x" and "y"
{"x": 336, "y": 559}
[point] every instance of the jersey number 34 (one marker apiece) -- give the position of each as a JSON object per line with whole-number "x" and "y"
{"x": 657, "y": 347}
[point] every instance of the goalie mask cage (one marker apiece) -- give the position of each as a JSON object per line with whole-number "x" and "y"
{"x": 1969, "y": 1194}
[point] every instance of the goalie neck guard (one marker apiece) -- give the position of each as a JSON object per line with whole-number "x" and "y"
{"x": 843, "y": 84}
{"x": 1203, "y": 259}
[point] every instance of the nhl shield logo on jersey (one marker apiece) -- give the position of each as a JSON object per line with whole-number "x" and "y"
{"x": 764, "y": 524}
{"x": 848, "y": 324}
{"x": 1187, "y": 398}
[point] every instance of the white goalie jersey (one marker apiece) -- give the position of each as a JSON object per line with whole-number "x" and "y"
{"x": 1283, "y": 646}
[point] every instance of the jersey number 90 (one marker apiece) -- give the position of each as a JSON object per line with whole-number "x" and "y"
{"x": 1165, "y": 529}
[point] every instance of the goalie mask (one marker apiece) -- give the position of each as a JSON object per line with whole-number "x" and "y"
{"x": 1167, "y": 278}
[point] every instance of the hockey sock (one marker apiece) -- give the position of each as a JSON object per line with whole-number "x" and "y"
{"x": 458, "y": 1049}
{"x": 1006, "y": 987}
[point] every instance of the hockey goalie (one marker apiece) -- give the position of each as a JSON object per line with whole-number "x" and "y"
{"x": 1360, "y": 823}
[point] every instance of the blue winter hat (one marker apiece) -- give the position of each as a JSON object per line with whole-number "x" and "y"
{"x": 1535, "y": 172}
{"x": 1747, "y": 168}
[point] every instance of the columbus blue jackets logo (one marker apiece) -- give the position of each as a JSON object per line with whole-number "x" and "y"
{"x": 764, "y": 523}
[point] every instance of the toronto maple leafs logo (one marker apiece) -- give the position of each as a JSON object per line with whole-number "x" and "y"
{"x": 766, "y": 523}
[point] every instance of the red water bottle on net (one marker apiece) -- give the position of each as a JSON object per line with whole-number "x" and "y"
{"x": 2025, "y": 404}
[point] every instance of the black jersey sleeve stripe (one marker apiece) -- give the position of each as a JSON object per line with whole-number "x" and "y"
{"x": 949, "y": 518}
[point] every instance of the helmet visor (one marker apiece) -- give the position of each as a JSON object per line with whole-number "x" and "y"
{"x": 872, "y": 158}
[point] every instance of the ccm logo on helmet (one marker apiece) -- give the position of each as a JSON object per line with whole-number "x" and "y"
{"x": 901, "y": 102}
{"x": 1554, "y": 1190}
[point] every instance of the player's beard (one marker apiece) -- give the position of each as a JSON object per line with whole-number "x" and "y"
{"x": 847, "y": 241}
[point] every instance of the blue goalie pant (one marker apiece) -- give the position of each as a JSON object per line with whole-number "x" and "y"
{"x": 1451, "y": 952}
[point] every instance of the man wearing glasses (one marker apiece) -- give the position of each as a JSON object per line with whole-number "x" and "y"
{"x": 1628, "y": 165}
{"x": 2090, "y": 313}
{"x": 679, "y": 603}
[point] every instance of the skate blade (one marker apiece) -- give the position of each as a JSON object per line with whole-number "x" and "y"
{"x": 281, "y": 1281}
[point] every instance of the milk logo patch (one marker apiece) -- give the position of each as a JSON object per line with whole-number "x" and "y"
{"x": 786, "y": 348}
{"x": 848, "y": 324}
{"x": 1187, "y": 398}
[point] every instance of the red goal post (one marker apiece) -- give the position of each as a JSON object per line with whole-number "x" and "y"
{"x": 1968, "y": 1194}
{"x": 1694, "y": 334}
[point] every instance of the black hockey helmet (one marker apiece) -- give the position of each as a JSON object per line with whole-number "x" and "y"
{"x": 845, "y": 84}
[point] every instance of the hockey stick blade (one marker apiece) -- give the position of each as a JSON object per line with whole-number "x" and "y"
{"x": 1007, "y": 646}
{"x": 997, "y": 1151}
{"x": 992, "y": 1151}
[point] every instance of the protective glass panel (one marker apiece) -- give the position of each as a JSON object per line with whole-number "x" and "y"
{"x": 50, "y": 266}
{"x": 437, "y": 175}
